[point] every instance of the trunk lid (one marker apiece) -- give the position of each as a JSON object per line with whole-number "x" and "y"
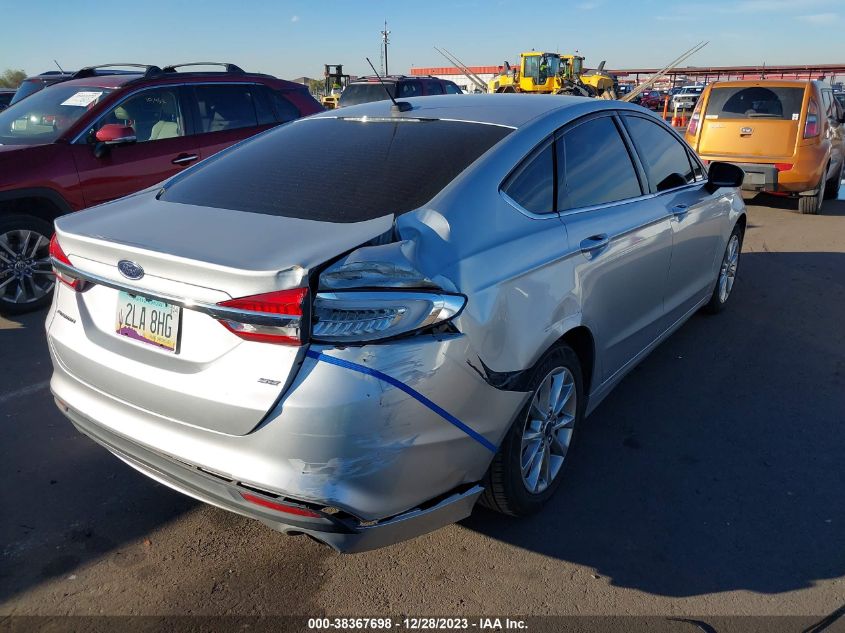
{"x": 213, "y": 379}
{"x": 752, "y": 138}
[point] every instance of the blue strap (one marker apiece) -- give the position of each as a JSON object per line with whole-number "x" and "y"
{"x": 416, "y": 395}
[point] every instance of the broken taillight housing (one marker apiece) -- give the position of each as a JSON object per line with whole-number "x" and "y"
{"x": 361, "y": 316}
{"x": 273, "y": 317}
{"x": 58, "y": 255}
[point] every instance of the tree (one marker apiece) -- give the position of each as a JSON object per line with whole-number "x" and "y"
{"x": 316, "y": 86}
{"x": 12, "y": 78}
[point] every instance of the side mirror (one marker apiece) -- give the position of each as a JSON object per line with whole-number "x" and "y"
{"x": 723, "y": 175}
{"x": 116, "y": 134}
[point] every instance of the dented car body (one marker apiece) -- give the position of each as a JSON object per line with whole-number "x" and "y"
{"x": 344, "y": 360}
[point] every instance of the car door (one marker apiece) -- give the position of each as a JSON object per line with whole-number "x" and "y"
{"x": 623, "y": 239}
{"x": 162, "y": 149}
{"x": 698, "y": 218}
{"x": 226, "y": 113}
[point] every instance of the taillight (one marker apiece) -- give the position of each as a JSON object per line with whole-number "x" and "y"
{"x": 274, "y": 317}
{"x": 783, "y": 166}
{"x": 58, "y": 255}
{"x": 811, "y": 125}
{"x": 692, "y": 129}
{"x": 355, "y": 316}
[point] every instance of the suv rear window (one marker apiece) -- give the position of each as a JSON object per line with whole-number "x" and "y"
{"x": 337, "y": 170}
{"x": 354, "y": 94}
{"x": 768, "y": 102}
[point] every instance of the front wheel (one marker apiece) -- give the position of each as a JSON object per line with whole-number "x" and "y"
{"x": 727, "y": 273}
{"x": 529, "y": 466}
{"x": 26, "y": 277}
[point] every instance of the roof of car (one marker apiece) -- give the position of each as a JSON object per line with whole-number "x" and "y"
{"x": 103, "y": 81}
{"x": 512, "y": 110}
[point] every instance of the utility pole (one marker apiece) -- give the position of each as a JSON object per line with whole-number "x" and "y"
{"x": 385, "y": 42}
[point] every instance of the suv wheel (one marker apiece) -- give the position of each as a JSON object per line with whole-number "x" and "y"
{"x": 26, "y": 277}
{"x": 529, "y": 466}
{"x": 811, "y": 205}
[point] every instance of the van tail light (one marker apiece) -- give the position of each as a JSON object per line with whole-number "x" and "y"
{"x": 811, "y": 125}
{"x": 274, "y": 317}
{"x": 57, "y": 255}
{"x": 360, "y": 316}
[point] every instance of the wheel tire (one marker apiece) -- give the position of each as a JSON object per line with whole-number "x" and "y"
{"x": 831, "y": 187}
{"x": 504, "y": 487}
{"x": 718, "y": 300}
{"x": 812, "y": 205}
{"x": 11, "y": 229}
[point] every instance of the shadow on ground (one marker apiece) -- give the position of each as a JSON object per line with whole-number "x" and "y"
{"x": 717, "y": 464}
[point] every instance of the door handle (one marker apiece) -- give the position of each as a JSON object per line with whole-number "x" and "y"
{"x": 680, "y": 209}
{"x": 594, "y": 243}
{"x": 184, "y": 159}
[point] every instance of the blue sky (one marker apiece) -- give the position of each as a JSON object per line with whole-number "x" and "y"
{"x": 289, "y": 38}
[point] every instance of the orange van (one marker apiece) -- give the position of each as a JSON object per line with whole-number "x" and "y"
{"x": 787, "y": 136}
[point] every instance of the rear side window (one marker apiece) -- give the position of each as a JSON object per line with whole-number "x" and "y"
{"x": 408, "y": 89}
{"x": 595, "y": 166}
{"x": 433, "y": 87}
{"x": 452, "y": 89}
{"x": 764, "y": 102}
{"x": 337, "y": 170}
{"x": 225, "y": 107}
{"x": 532, "y": 186}
{"x": 263, "y": 109}
{"x": 665, "y": 158}
{"x": 285, "y": 110}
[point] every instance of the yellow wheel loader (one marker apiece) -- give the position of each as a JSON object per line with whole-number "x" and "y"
{"x": 552, "y": 73}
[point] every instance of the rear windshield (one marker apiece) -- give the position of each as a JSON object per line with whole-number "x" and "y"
{"x": 337, "y": 170}
{"x": 755, "y": 102}
{"x": 364, "y": 93}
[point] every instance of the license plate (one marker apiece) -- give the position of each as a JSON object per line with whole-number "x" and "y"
{"x": 147, "y": 320}
{"x": 755, "y": 179}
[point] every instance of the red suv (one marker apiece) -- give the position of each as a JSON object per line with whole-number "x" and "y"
{"x": 98, "y": 137}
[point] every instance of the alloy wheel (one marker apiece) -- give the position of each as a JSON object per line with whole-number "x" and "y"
{"x": 727, "y": 273}
{"x": 25, "y": 272}
{"x": 548, "y": 429}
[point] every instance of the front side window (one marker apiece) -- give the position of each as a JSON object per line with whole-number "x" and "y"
{"x": 433, "y": 87}
{"x": 532, "y": 186}
{"x": 596, "y": 166}
{"x": 45, "y": 115}
{"x": 154, "y": 115}
{"x": 225, "y": 107}
{"x": 664, "y": 158}
{"x": 452, "y": 89}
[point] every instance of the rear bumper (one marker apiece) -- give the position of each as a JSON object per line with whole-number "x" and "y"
{"x": 762, "y": 175}
{"x": 337, "y": 531}
{"x": 392, "y": 467}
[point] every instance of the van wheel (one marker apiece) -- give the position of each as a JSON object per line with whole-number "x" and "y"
{"x": 811, "y": 205}
{"x": 529, "y": 466}
{"x": 26, "y": 276}
{"x": 831, "y": 187}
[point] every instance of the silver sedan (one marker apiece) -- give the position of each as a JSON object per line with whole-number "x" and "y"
{"x": 359, "y": 324}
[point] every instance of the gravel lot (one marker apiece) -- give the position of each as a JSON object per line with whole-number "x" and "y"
{"x": 711, "y": 482}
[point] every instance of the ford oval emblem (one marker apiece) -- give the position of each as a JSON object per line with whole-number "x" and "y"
{"x": 130, "y": 270}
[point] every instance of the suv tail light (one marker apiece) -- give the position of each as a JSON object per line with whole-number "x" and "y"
{"x": 354, "y": 317}
{"x": 274, "y": 317}
{"x": 695, "y": 119}
{"x": 58, "y": 255}
{"x": 811, "y": 125}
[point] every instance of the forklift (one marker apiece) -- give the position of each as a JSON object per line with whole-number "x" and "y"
{"x": 336, "y": 82}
